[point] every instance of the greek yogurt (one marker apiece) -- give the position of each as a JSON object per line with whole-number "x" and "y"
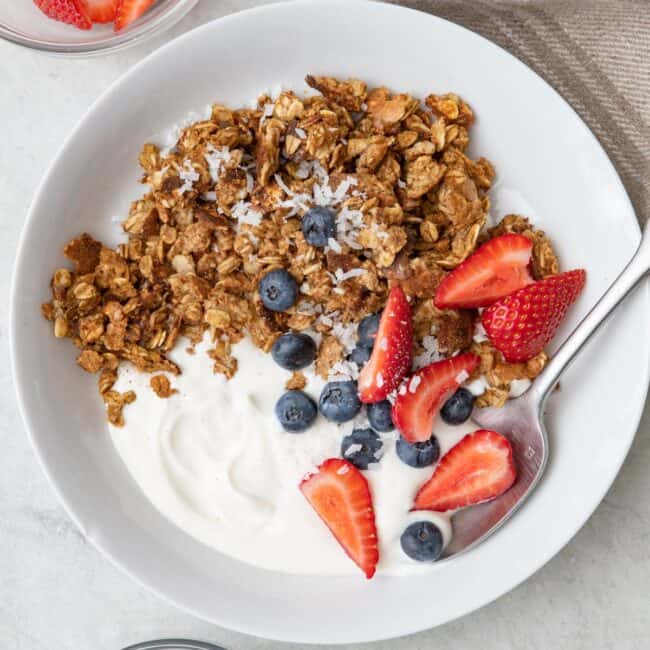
{"x": 214, "y": 460}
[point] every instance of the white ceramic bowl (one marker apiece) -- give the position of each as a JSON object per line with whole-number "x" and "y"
{"x": 550, "y": 167}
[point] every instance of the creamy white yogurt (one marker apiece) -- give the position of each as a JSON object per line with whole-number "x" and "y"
{"x": 214, "y": 460}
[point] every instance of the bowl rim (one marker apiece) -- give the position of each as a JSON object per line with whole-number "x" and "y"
{"x": 166, "y": 19}
{"x": 174, "y": 644}
{"x": 644, "y": 380}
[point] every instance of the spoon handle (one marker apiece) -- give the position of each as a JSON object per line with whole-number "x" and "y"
{"x": 629, "y": 278}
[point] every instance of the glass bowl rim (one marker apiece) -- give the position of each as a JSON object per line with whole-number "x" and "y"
{"x": 167, "y": 17}
{"x": 174, "y": 644}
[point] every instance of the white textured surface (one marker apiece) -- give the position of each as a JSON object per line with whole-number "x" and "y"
{"x": 57, "y": 592}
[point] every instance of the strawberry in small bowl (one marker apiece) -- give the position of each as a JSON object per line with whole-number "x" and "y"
{"x": 88, "y": 27}
{"x": 83, "y": 14}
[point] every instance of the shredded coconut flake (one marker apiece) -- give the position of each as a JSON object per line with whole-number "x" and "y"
{"x": 267, "y": 111}
{"x": 430, "y": 354}
{"x": 300, "y": 133}
{"x": 307, "y": 307}
{"x": 346, "y": 334}
{"x": 328, "y": 319}
{"x": 215, "y": 157}
{"x": 414, "y": 383}
{"x": 478, "y": 386}
{"x": 353, "y": 449}
{"x": 188, "y": 175}
{"x": 303, "y": 169}
{"x": 480, "y": 334}
{"x": 334, "y": 245}
{"x": 245, "y": 213}
{"x": 462, "y": 376}
{"x": 250, "y": 182}
{"x": 352, "y": 273}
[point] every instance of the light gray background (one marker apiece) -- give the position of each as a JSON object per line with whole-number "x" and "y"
{"x": 58, "y": 593}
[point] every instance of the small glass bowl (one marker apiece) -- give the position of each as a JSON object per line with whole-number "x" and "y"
{"x": 174, "y": 644}
{"x": 23, "y": 23}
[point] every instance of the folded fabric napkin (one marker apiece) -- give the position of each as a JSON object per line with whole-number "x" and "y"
{"x": 596, "y": 53}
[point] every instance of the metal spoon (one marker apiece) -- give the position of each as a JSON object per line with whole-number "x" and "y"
{"x": 521, "y": 420}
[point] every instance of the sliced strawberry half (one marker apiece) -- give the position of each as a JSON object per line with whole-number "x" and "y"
{"x": 477, "y": 469}
{"x": 420, "y": 397}
{"x": 102, "y": 11}
{"x": 339, "y": 494}
{"x": 392, "y": 351}
{"x": 72, "y": 12}
{"x": 520, "y": 325}
{"x": 496, "y": 269}
{"x": 130, "y": 10}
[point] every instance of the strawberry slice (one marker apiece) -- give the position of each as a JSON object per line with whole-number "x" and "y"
{"x": 496, "y": 269}
{"x": 102, "y": 11}
{"x": 72, "y": 12}
{"x": 477, "y": 469}
{"x": 391, "y": 352}
{"x": 339, "y": 494}
{"x": 420, "y": 397}
{"x": 128, "y": 11}
{"x": 520, "y": 325}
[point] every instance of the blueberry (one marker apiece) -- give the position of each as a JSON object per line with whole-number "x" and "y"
{"x": 379, "y": 416}
{"x": 278, "y": 290}
{"x": 361, "y": 447}
{"x": 367, "y": 330}
{"x": 339, "y": 401}
{"x": 319, "y": 225}
{"x": 418, "y": 454}
{"x": 360, "y": 355}
{"x": 294, "y": 351}
{"x": 296, "y": 411}
{"x": 422, "y": 541}
{"x": 458, "y": 407}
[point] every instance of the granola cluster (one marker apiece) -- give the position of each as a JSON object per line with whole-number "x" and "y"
{"x": 224, "y": 207}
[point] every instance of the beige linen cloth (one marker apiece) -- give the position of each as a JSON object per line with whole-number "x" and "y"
{"x": 595, "y": 53}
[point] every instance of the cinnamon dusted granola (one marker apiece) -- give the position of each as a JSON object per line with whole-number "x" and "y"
{"x": 224, "y": 206}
